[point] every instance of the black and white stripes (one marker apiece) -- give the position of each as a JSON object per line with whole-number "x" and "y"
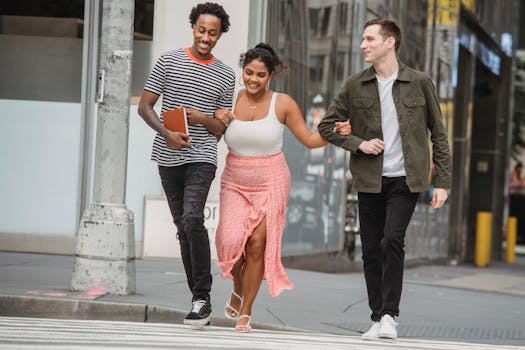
{"x": 184, "y": 81}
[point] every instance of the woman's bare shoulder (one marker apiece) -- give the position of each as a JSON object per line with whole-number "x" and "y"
{"x": 284, "y": 100}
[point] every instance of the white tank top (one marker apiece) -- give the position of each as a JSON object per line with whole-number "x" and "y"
{"x": 261, "y": 137}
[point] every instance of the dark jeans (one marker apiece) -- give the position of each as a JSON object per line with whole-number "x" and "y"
{"x": 384, "y": 218}
{"x": 186, "y": 189}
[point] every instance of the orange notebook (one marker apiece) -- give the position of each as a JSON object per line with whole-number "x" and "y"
{"x": 175, "y": 120}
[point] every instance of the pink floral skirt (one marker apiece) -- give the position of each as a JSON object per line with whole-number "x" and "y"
{"x": 253, "y": 188}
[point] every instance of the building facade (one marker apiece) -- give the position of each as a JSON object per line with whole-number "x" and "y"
{"x": 48, "y": 99}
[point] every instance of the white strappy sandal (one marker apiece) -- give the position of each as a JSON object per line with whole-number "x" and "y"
{"x": 244, "y": 328}
{"x": 229, "y": 311}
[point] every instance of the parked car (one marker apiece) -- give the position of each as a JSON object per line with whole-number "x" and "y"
{"x": 304, "y": 228}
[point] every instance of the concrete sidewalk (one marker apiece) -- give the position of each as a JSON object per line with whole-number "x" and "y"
{"x": 442, "y": 303}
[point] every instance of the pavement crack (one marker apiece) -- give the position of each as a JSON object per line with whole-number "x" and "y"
{"x": 276, "y": 317}
{"x": 357, "y": 302}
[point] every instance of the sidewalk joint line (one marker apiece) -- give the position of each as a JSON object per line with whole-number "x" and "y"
{"x": 357, "y": 302}
{"x": 274, "y": 315}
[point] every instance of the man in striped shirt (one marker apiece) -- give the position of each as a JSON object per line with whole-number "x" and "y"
{"x": 192, "y": 78}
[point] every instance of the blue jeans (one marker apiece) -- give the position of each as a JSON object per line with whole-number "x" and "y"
{"x": 384, "y": 218}
{"x": 186, "y": 189}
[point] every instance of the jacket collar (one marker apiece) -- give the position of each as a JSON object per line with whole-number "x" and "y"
{"x": 402, "y": 74}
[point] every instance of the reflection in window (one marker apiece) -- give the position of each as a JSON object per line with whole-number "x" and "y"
{"x": 343, "y": 17}
{"x": 326, "y": 21}
{"x": 314, "y": 40}
{"x": 306, "y": 191}
{"x": 143, "y": 21}
{"x": 44, "y": 8}
{"x": 316, "y": 69}
{"x": 62, "y": 18}
{"x": 313, "y": 16}
{"x": 43, "y": 39}
{"x": 340, "y": 73}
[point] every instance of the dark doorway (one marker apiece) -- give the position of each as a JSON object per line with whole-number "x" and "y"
{"x": 484, "y": 149}
{"x": 461, "y": 151}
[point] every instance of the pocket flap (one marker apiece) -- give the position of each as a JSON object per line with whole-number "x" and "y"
{"x": 362, "y": 102}
{"x": 414, "y": 101}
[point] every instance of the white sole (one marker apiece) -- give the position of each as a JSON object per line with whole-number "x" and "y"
{"x": 369, "y": 338}
{"x": 201, "y": 322}
{"x": 387, "y": 337}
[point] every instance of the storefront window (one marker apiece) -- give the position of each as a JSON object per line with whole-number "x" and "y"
{"x": 43, "y": 40}
{"x": 316, "y": 48}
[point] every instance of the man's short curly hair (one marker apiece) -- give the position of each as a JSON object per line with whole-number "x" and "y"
{"x": 212, "y": 9}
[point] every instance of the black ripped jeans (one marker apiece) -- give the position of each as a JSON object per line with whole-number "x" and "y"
{"x": 186, "y": 189}
{"x": 384, "y": 218}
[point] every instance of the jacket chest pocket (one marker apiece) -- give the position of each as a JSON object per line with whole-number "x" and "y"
{"x": 362, "y": 102}
{"x": 415, "y": 108}
{"x": 414, "y": 102}
{"x": 363, "y": 106}
{"x": 366, "y": 117}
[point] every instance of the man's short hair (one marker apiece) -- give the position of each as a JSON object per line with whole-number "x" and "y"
{"x": 388, "y": 29}
{"x": 212, "y": 9}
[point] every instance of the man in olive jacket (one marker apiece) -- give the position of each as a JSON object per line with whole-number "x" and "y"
{"x": 391, "y": 108}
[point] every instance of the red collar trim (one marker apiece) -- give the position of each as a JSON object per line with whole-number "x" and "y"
{"x": 196, "y": 60}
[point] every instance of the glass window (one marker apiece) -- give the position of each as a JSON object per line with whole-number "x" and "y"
{"x": 316, "y": 68}
{"x": 326, "y": 21}
{"x": 43, "y": 39}
{"x": 143, "y": 21}
{"x": 313, "y": 16}
{"x": 316, "y": 48}
{"x": 343, "y": 17}
{"x": 340, "y": 72}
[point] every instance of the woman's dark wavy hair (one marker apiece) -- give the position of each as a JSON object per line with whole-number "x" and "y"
{"x": 212, "y": 9}
{"x": 265, "y": 53}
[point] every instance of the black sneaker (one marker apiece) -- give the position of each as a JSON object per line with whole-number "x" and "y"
{"x": 199, "y": 314}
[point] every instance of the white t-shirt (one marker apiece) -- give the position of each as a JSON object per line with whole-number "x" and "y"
{"x": 393, "y": 162}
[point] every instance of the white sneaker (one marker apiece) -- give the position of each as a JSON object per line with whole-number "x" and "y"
{"x": 373, "y": 332}
{"x": 387, "y": 327}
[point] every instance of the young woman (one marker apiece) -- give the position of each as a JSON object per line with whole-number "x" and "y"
{"x": 255, "y": 183}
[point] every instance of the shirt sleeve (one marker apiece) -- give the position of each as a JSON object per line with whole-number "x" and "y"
{"x": 440, "y": 147}
{"x": 157, "y": 79}
{"x": 338, "y": 111}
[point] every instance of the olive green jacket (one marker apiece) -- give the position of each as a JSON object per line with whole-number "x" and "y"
{"x": 418, "y": 112}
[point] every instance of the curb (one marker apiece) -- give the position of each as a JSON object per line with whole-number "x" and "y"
{"x": 75, "y": 309}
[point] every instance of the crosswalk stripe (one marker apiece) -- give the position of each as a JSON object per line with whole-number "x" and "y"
{"x": 33, "y": 333}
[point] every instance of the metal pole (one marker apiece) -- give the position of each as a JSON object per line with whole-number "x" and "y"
{"x": 89, "y": 66}
{"x": 358, "y": 22}
{"x": 483, "y": 238}
{"x": 433, "y": 40}
{"x": 105, "y": 254}
{"x": 512, "y": 232}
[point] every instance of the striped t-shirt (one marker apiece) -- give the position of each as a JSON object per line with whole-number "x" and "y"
{"x": 185, "y": 81}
